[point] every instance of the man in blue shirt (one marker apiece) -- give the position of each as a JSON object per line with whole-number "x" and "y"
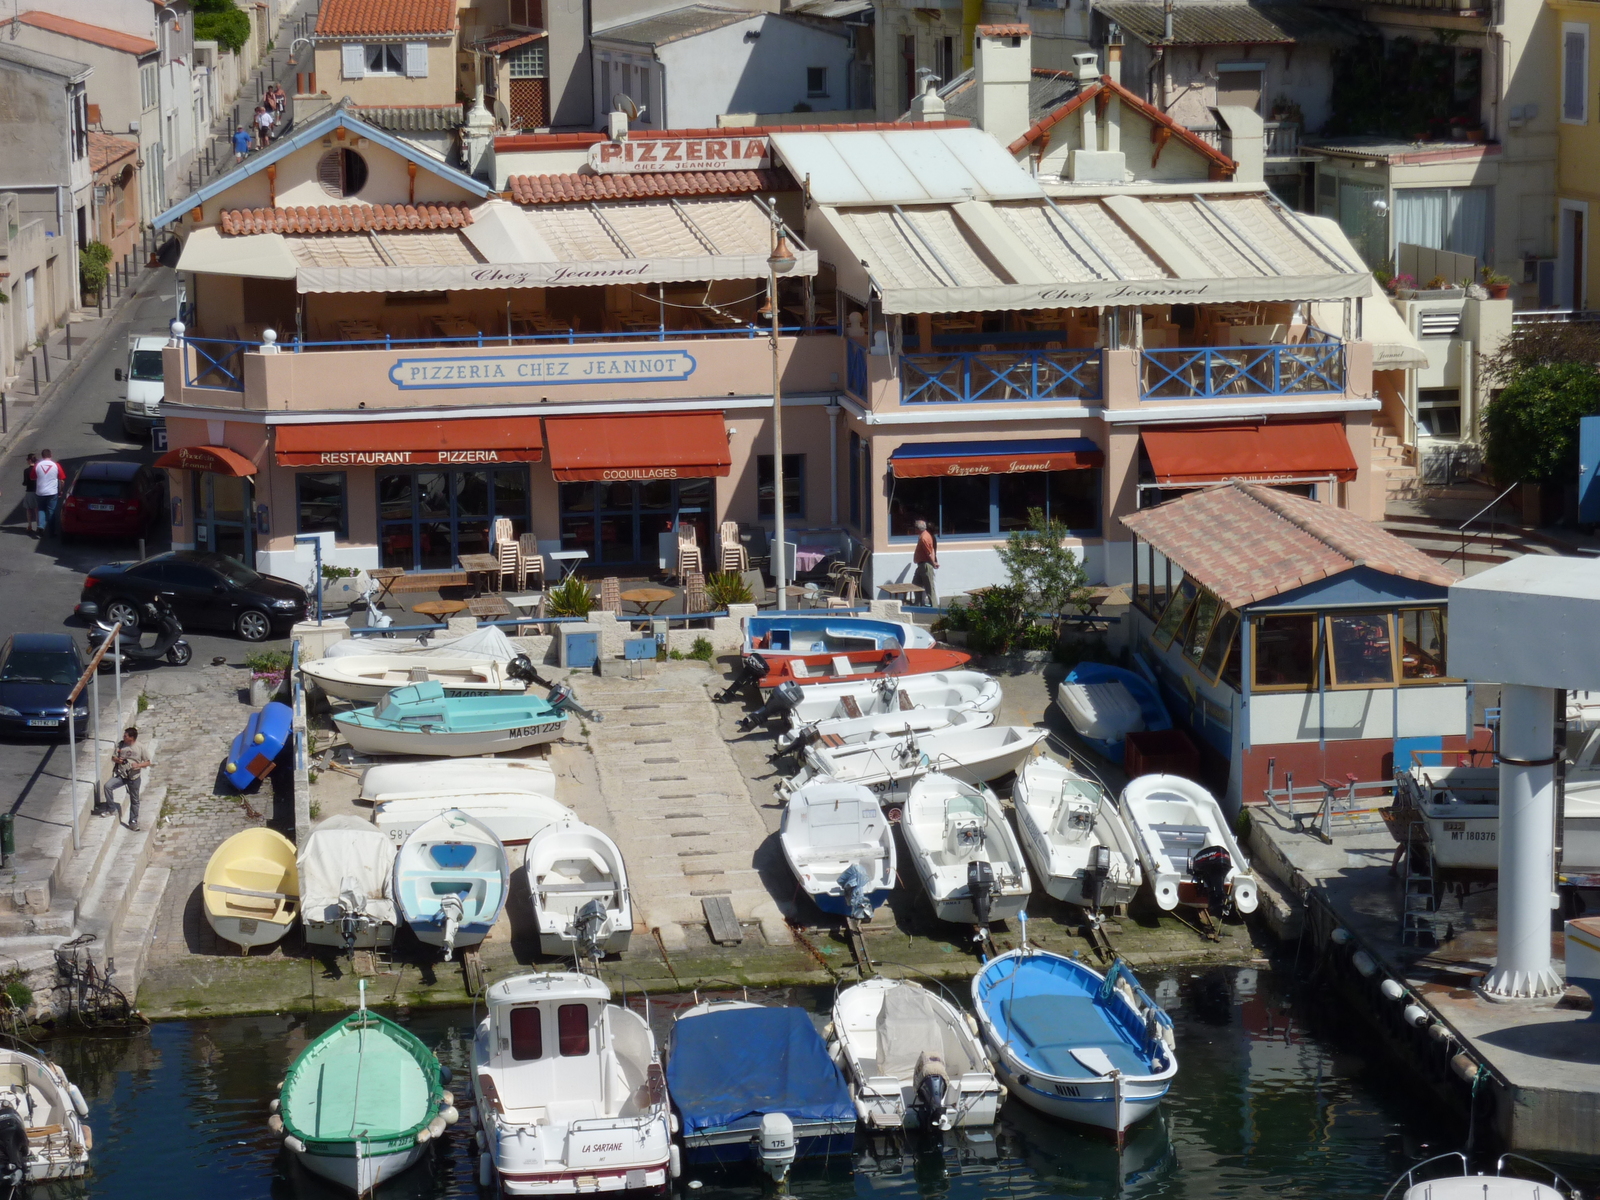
{"x": 241, "y": 144}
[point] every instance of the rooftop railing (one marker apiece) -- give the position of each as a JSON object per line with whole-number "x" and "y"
{"x": 979, "y": 376}
{"x": 1224, "y": 372}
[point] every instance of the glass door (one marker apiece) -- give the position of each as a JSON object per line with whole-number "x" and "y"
{"x": 222, "y": 507}
{"x": 429, "y": 518}
{"x": 620, "y": 523}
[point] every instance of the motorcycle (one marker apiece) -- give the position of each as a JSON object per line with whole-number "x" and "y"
{"x": 169, "y": 642}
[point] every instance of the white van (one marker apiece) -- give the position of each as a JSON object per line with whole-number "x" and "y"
{"x": 141, "y": 402}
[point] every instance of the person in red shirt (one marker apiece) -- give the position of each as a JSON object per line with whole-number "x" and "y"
{"x": 926, "y": 558}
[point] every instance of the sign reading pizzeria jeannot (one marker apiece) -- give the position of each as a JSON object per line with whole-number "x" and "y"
{"x": 644, "y": 156}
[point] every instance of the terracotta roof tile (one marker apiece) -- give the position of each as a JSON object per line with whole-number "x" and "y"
{"x": 1247, "y": 542}
{"x": 341, "y": 18}
{"x": 1040, "y": 129}
{"x": 566, "y": 189}
{"x": 345, "y": 218}
{"x": 105, "y": 149}
{"x": 502, "y": 40}
{"x": 113, "y": 39}
{"x": 1005, "y": 31}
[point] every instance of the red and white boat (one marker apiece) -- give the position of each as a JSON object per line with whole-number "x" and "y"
{"x": 809, "y": 669}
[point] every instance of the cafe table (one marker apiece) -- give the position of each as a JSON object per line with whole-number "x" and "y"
{"x": 439, "y": 610}
{"x": 648, "y": 600}
{"x": 483, "y": 565}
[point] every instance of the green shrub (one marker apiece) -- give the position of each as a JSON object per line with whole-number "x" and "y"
{"x": 329, "y": 571}
{"x": 1530, "y": 430}
{"x": 701, "y": 650}
{"x": 221, "y": 22}
{"x": 267, "y": 662}
{"x": 19, "y": 993}
{"x": 725, "y": 588}
{"x": 569, "y": 598}
{"x": 94, "y": 267}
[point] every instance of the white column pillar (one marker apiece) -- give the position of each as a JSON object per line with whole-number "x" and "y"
{"x": 1527, "y": 845}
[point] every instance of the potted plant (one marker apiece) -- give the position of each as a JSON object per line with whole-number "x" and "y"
{"x": 1440, "y": 288}
{"x": 342, "y": 586}
{"x": 268, "y": 669}
{"x": 569, "y": 598}
{"x": 1404, "y": 287}
{"x": 1497, "y": 285}
{"x": 725, "y": 588}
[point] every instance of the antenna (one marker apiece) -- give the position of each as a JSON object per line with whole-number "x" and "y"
{"x": 625, "y": 104}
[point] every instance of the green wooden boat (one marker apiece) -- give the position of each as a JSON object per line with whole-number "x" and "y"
{"x": 362, "y": 1102}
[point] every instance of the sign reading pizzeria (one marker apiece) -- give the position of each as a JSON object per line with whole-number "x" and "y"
{"x": 645, "y": 156}
{"x": 542, "y": 370}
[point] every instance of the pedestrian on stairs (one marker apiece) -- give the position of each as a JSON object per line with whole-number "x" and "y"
{"x": 127, "y": 760}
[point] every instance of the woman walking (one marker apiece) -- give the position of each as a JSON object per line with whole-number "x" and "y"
{"x": 30, "y": 498}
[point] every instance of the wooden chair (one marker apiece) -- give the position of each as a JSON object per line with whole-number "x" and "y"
{"x": 689, "y": 558}
{"x": 509, "y": 551}
{"x": 532, "y": 561}
{"x": 611, "y": 595}
{"x": 732, "y": 556}
{"x": 694, "y": 593}
{"x": 757, "y": 582}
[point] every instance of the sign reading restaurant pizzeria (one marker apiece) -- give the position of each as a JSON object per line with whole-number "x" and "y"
{"x": 645, "y": 156}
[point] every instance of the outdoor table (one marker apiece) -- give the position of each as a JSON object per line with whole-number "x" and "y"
{"x": 797, "y": 592}
{"x": 648, "y": 600}
{"x": 482, "y": 564}
{"x": 806, "y": 559}
{"x": 486, "y": 608}
{"x": 439, "y": 610}
{"x": 528, "y": 604}
{"x": 902, "y": 591}
{"x": 454, "y": 327}
{"x": 384, "y": 577}
{"x": 569, "y": 560}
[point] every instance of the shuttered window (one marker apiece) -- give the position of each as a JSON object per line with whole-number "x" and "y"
{"x": 354, "y": 56}
{"x": 1575, "y": 73}
{"x": 417, "y": 60}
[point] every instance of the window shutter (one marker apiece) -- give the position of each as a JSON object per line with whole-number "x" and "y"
{"x": 355, "y": 60}
{"x": 1574, "y": 90}
{"x": 417, "y": 60}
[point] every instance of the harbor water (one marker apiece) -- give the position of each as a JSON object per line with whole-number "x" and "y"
{"x": 1274, "y": 1098}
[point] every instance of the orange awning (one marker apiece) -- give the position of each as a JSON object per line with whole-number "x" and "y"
{"x": 647, "y": 446}
{"x": 219, "y": 460}
{"x": 403, "y": 443}
{"x": 1264, "y": 452}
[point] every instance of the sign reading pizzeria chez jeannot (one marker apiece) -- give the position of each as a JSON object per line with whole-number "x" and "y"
{"x": 644, "y": 156}
{"x": 522, "y": 370}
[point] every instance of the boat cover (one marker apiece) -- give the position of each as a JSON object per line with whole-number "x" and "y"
{"x": 488, "y": 643}
{"x": 346, "y": 854}
{"x": 911, "y": 1024}
{"x": 740, "y": 1063}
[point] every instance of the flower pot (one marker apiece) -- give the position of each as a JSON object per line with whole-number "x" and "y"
{"x": 343, "y": 592}
{"x": 1499, "y": 291}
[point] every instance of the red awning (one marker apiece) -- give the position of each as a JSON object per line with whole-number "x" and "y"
{"x": 403, "y": 443}
{"x": 219, "y": 460}
{"x": 1263, "y": 452}
{"x": 647, "y": 446}
{"x": 919, "y": 460}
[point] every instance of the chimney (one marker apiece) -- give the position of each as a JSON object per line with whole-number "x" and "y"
{"x": 1002, "y": 69}
{"x": 928, "y": 105}
{"x": 1244, "y": 141}
{"x": 1114, "y": 56}
{"x": 478, "y": 140}
{"x": 1089, "y": 163}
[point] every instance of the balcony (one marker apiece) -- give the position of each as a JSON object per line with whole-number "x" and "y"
{"x": 1282, "y": 138}
{"x": 1315, "y": 365}
{"x": 966, "y": 377}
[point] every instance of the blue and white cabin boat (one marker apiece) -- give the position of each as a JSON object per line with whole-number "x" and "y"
{"x": 450, "y": 881}
{"x": 780, "y": 634}
{"x": 422, "y": 720}
{"x": 1073, "y": 1043}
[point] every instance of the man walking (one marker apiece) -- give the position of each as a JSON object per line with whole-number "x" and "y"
{"x": 126, "y": 763}
{"x": 30, "y": 498}
{"x": 926, "y": 558}
{"x": 241, "y": 144}
{"x": 47, "y": 480}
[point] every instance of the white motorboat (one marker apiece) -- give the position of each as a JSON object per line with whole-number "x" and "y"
{"x": 964, "y": 851}
{"x": 1449, "y": 1177}
{"x": 1080, "y": 850}
{"x": 897, "y": 693}
{"x": 571, "y": 1094}
{"x": 435, "y": 776}
{"x": 450, "y": 881}
{"x": 345, "y": 868}
{"x": 51, "y": 1111}
{"x": 368, "y": 678}
{"x": 579, "y": 886}
{"x": 420, "y": 719}
{"x": 912, "y": 1058}
{"x": 1186, "y": 849}
{"x": 856, "y": 731}
{"x": 513, "y": 817}
{"x": 891, "y": 765}
{"x": 488, "y": 643}
{"x": 774, "y": 635}
{"x": 840, "y": 847}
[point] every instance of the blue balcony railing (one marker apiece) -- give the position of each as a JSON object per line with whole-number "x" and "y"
{"x": 964, "y": 377}
{"x": 1224, "y": 372}
{"x": 216, "y": 364}
{"x": 855, "y": 369}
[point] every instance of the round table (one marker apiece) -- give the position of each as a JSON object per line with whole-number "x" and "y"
{"x": 439, "y": 609}
{"x": 648, "y": 599}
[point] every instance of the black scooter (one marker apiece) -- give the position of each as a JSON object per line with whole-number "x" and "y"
{"x": 169, "y": 643}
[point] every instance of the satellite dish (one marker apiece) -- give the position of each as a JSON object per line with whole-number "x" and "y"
{"x": 624, "y": 104}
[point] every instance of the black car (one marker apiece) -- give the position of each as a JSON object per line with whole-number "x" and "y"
{"x": 37, "y": 671}
{"x": 207, "y": 591}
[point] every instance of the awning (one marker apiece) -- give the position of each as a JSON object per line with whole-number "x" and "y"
{"x": 1394, "y": 346}
{"x": 255, "y": 255}
{"x": 648, "y": 446}
{"x": 1264, "y": 452}
{"x": 402, "y": 443}
{"x": 219, "y": 460}
{"x": 917, "y": 460}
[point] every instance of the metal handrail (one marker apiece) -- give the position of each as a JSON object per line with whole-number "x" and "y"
{"x": 1336, "y": 799}
{"x": 573, "y": 337}
{"x": 1487, "y": 508}
{"x": 1410, "y": 1182}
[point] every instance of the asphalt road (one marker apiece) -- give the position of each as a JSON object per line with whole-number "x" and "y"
{"x": 40, "y": 580}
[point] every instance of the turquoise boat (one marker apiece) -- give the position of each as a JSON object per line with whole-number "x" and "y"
{"x": 422, "y": 719}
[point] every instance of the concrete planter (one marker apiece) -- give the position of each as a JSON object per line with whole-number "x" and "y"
{"x": 1023, "y": 662}
{"x": 955, "y": 637}
{"x": 342, "y": 593}
{"x": 264, "y": 691}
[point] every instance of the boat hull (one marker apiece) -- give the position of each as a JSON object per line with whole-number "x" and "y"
{"x": 364, "y": 739}
{"x": 359, "y": 1174}
{"x": 1460, "y": 842}
{"x": 833, "y": 902}
{"x": 1094, "y": 1103}
{"x": 329, "y": 933}
{"x": 809, "y": 670}
{"x": 248, "y": 932}
{"x": 738, "y": 1143}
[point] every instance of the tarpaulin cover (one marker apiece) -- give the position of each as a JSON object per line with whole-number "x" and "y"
{"x": 346, "y": 853}
{"x": 740, "y": 1063}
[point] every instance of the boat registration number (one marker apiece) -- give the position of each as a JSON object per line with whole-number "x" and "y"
{"x": 44, "y": 722}
{"x": 246, "y": 925}
{"x": 102, "y": 508}
{"x": 533, "y": 730}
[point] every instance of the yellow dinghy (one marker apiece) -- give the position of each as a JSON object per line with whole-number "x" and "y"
{"x": 252, "y": 888}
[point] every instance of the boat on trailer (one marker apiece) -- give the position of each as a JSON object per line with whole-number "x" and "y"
{"x": 1187, "y": 851}
{"x": 1079, "y": 847}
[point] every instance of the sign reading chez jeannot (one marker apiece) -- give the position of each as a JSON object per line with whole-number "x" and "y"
{"x": 540, "y": 370}
{"x": 643, "y": 156}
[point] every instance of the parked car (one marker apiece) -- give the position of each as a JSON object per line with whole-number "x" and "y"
{"x": 111, "y": 500}
{"x": 141, "y": 401}
{"x": 207, "y": 591}
{"x": 37, "y": 671}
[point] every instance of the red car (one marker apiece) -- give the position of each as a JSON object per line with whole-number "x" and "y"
{"x": 112, "y": 500}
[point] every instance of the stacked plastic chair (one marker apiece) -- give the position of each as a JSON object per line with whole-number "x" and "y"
{"x": 689, "y": 558}
{"x": 732, "y": 556}
{"x": 509, "y": 551}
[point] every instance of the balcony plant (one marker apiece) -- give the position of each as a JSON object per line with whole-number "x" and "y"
{"x": 569, "y": 598}
{"x": 1498, "y": 285}
{"x": 725, "y": 588}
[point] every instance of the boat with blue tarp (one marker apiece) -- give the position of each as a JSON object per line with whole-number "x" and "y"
{"x": 1104, "y": 704}
{"x": 423, "y": 719}
{"x": 779, "y": 634}
{"x": 255, "y": 751}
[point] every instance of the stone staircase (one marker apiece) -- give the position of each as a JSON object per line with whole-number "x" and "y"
{"x": 1395, "y": 459}
{"x": 1441, "y": 538}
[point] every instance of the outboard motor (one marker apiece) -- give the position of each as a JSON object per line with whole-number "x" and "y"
{"x": 1210, "y": 867}
{"x": 352, "y": 913}
{"x": 752, "y": 669}
{"x": 1096, "y": 874}
{"x": 13, "y": 1151}
{"x": 563, "y": 699}
{"x": 587, "y": 924}
{"x": 521, "y": 668}
{"x": 452, "y": 910}
{"x": 853, "y": 887}
{"x": 777, "y": 1145}
{"x": 784, "y": 700}
{"x": 980, "y": 886}
{"x": 931, "y": 1095}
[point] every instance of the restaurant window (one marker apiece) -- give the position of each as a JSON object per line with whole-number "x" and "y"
{"x": 1220, "y": 650}
{"x": 527, "y": 1034}
{"x": 572, "y": 1029}
{"x": 1360, "y": 650}
{"x": 1422, "y": 644}
{"x": 320, "y": 503}
{"x": 995, "y": 505}
{"x": 1200, "y": 625}
{"x": 621, "y": 522}
{"x": 794, "y": 485}
{"x": 429, "y": 518}
{"x": 1284, "y": 654}
{"x": 1167, "y": 628}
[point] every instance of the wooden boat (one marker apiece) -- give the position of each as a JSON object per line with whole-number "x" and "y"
{"x": 570, "y": 1091}
{"x": 252, "y": 887}
{"x": 362, "y": 1102}
{"x": 579, "y": 886}
{"x": 1071, "y": 1042}
{"x": 1065, "y": 820}
{"x": 1104, "y": 704}
{"x": 41, "y": 1108}
{"x": 1185, "y": 846}
{"x": 911, "y": 1057}
{"x": 896, "y": 693}
{"x": 421, "y": 719}
{"x": 856, "y": 731}
{"x": 255, "y": 751}
{"x": 777, "y": 635}
{"x": 964, "y": 851}
{"x": 810, "y": 669}
{"x": 840, "y": 847}
{"x": 513, "y": 817}
{"x": 371, "y": 677}
{"x": 345, "y": 871}
{"x": 1450, "y": 1177}
{"x": 891, "y": 765}
{"x": 398, "y": 780}
{"x": 450, "y": 881}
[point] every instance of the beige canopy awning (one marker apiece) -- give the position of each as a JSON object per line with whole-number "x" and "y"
{"x": 1394, "y": 346}
{"x": 256, "y": 255}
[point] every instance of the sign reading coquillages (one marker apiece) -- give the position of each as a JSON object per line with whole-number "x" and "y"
{"x": 645, "y": 156}
{"x": 541, "y": 370}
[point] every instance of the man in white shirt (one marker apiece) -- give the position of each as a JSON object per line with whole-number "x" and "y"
{"x": 48, "y": 480}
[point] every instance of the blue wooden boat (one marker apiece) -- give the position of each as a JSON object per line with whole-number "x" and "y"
{"x": 778, "y": 634}
{"x": 450, "y": 881}
{"x": 254, "y": 751}
{"x": 423, "y": 719}
{"x": 1106, "y": 703}
{"x": 1071, "y": 1042}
